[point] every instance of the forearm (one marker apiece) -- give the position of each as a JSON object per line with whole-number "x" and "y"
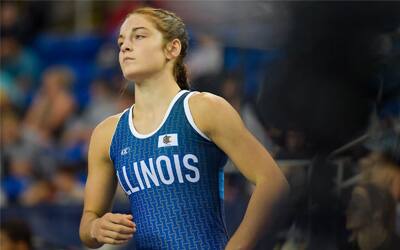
{"x": 84, "y": 230}
{"x": 266, "y": 196}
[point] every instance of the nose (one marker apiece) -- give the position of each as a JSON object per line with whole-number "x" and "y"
{"x": 126, "y": 46}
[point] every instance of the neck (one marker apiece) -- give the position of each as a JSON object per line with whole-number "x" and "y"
{"x": 155, "y": 92}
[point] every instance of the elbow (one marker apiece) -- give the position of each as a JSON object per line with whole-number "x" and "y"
{"x": 84, "y": 235}
{"x": 90, "y": 244}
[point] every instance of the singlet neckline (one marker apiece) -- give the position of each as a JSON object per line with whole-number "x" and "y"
{"x": 170, "y": 106}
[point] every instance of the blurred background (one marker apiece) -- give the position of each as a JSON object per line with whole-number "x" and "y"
{"x": 318, "y": 83}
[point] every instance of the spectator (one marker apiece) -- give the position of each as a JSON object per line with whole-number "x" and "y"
{"x": 15, "y": 235}
{"x": 41, "y": 191}
{"x": 382, "y": 171}
{"x": 68, "y": 189}
{"x": 206, "y": 58}
{"x": 77, "y": 133}
{"x": 10, "y": 134}
{"x": 16, "y": 158}
{"x": 205, "y": 64}
{"x": 52, "y": 107}
{"x": 371, "y": 218}
{"x": 18, "y": 63}
{"x": 19, "y": 178}
{"x": 102, "y": 103}
{"x": 294, "y": 145}
{"x": 236, "y": 198}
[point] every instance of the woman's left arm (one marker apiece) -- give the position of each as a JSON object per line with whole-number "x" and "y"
{"x": 221, "y": 123}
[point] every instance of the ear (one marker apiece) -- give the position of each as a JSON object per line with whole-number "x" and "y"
{"x": 173, "y": 49}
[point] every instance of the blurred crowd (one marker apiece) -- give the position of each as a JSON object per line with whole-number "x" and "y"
{"x": 57, "y": 85}
{"x": 48, "y": 109}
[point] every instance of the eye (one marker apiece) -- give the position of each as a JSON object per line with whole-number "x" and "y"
{"x": 139, "y": 37}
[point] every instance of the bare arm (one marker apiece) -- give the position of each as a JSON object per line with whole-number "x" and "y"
{"x": 226, "y": 129}
{"x": 98, "y": 225}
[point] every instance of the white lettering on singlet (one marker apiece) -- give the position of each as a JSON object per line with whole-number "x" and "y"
{"x": 186, "y": 159}
{"x": 123, "y": 188}
{"x": 133, "y": 190}
{"x": 164, "y": 171}
{"x": 167, "y": 181}
{"x": 149, "y": 173}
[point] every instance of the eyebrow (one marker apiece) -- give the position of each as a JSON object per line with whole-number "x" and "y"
{"x": 133, "y": 30}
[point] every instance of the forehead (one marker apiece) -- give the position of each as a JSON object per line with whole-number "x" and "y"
{"x": 134, "y": 21}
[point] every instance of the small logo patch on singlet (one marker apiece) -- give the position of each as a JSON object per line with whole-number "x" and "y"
{"x": 125, "y": 151}
{"x": 168, "y": 140}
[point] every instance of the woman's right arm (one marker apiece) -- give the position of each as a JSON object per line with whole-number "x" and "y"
{"x": 99, "y": 226}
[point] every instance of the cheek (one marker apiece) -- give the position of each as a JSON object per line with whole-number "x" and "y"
{"x": 154, "y": 51}
{"x": 152, "y": 60}
{"x": 120, "y": 58}
{"x": 159, "y": 58}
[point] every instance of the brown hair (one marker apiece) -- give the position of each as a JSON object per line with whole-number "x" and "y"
{"x": 171, "y": 27}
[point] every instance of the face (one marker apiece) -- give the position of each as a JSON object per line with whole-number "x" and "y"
{"x": 141, "y": 48}
{"x": 51, "y": 82}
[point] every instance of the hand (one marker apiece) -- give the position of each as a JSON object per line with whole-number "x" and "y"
{"x": 113, "y": 228}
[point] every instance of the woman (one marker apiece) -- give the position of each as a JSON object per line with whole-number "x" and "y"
{"x": 167, "y": 153}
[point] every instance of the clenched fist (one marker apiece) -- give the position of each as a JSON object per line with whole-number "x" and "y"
{"x": 113, "y": 228}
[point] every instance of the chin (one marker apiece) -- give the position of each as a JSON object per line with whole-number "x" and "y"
{"x": 138, "y": 74}
{"x": 129, "y": 77}
{"x": 133, "y": 76}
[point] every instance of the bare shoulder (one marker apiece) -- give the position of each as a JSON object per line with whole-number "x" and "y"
{"x": 210, "y": 111}
{"x": 206, "y": 100}
{"x": 103, "y": 133}
{"x": 108, "y": 125}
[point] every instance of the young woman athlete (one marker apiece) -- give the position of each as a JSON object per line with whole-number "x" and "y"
{"x": 167, "y": 153}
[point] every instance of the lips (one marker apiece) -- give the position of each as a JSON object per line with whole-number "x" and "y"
{"x": 128, "y": 59}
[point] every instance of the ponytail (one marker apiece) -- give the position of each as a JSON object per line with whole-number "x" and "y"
{"x": 181, "y": 74}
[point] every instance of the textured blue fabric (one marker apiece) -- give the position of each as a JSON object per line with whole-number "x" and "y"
{"x": 185, "y": 209}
